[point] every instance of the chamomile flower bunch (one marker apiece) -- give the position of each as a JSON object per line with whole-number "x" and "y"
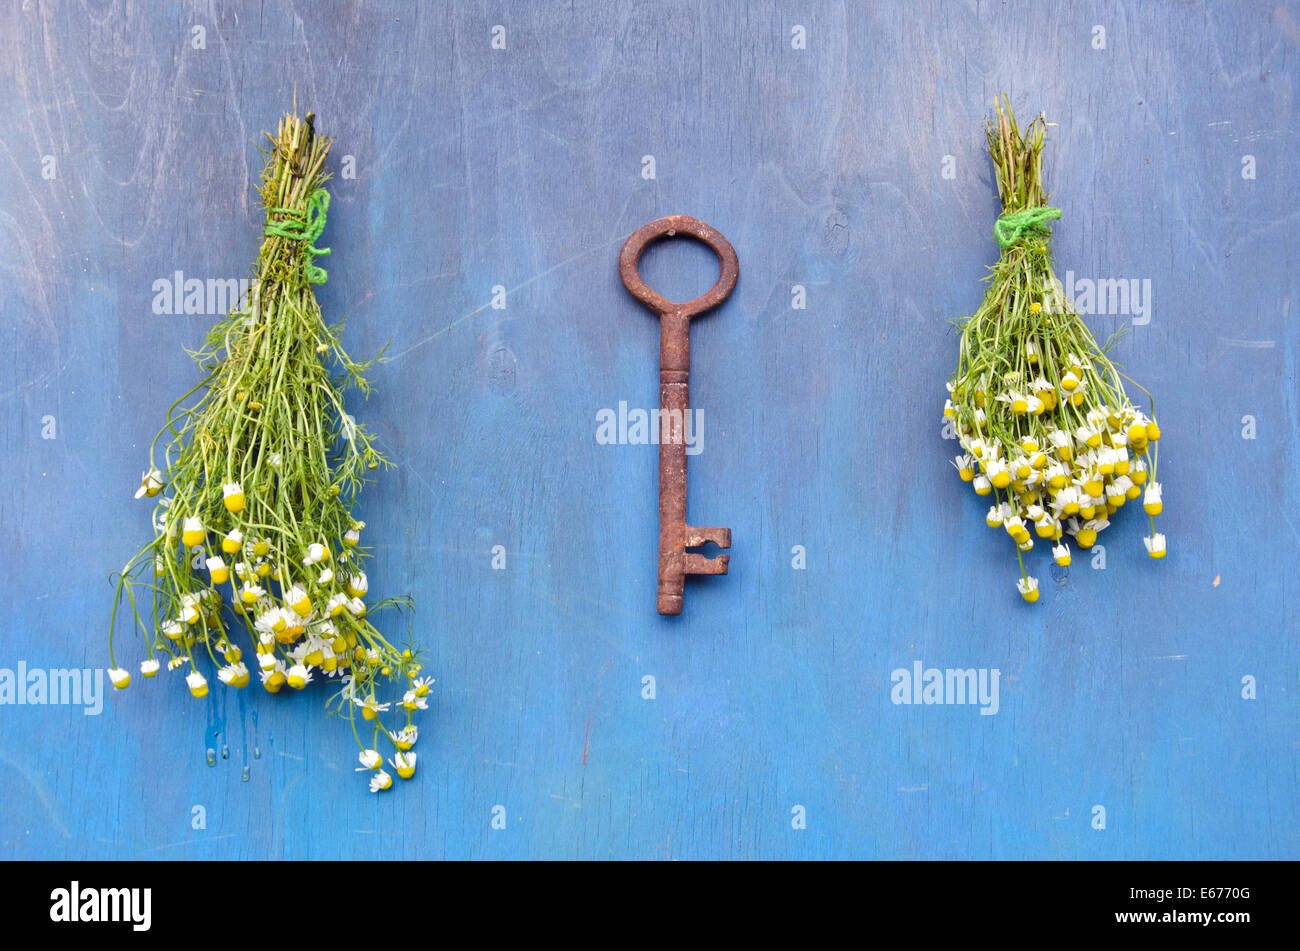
{"x": 255, "y": 573}
{"x": 1049, "y": 437}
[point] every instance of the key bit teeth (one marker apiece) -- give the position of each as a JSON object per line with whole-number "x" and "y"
{"x": 695, "y": 537}
{"x": 669, "y": 604}
{"x": 696, "y": 564}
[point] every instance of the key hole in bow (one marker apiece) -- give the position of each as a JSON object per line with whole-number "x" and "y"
{"x": 679, "y": 268}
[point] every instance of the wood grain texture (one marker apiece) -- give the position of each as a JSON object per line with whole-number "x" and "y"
{"x": 523, "y": 168}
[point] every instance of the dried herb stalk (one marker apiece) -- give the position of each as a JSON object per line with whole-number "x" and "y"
{"x": 1047, "y": 431}
{"x": 255, "y": 484}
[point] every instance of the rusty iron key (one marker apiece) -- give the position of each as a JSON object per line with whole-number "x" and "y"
{"x": 675, "y": 536}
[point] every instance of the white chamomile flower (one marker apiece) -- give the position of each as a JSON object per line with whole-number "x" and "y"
{"x": 273, "y": 679}
{"x": 175, "y": 663}
{"x": 217, "y": 570}
{"x": 326, "y": 576}
{"x": 998, "y": 473}
{"x": 233, "y": 541}
{"x": 331, "y": 664}
{"x": 1151, "y": 499}
{"x": 232, "y": 495}
{"x": 404, "y": 763}
{"x": 121, "y": 679}
{"x": 407, "y": 736}
{"x": 369, "y": 759}
{"x": 298, "y": 676}
{"x": 1076, "y": 364}
{"x": 381, "y": 780}
{"x": 413, "y": 702}
{"x": 370, "y": 707}
{"x": 1086, "y": 534}
{"x": 1068, "y": 501}
{"x": 150, "y": 484}
{"x": 197, "y": 683}
{"x": 234, "y": 675}
{"x": 192, "y": 533}
{"x": 297, "y": 599}
{"x": 1155, "y": 545}
{"x": 421, "y": 686}
{"x": 1018, "y": 402}
{"x": 1088, "y": 436}
{"x": 1028, "y": 587}
{"x": 149, "y": 667}
{"x": 334, "y": 607}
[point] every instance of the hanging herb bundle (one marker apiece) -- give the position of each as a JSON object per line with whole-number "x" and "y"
{"x": 254, "y": 535}
{"x": 1047, "y": 432}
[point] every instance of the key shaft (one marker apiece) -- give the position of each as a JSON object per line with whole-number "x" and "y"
{"x": 675, "y": 536}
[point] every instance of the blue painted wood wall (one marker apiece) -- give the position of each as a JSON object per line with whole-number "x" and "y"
{"x": 525, "y": 167}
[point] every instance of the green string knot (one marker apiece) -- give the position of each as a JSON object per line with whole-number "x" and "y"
{"x": 306, "y": 228}
{"x": 1030, "y": 222}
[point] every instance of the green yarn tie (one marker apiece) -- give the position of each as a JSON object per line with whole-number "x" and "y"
{"x": 306, "y": 230}
{"x": 1011, "y": 228}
